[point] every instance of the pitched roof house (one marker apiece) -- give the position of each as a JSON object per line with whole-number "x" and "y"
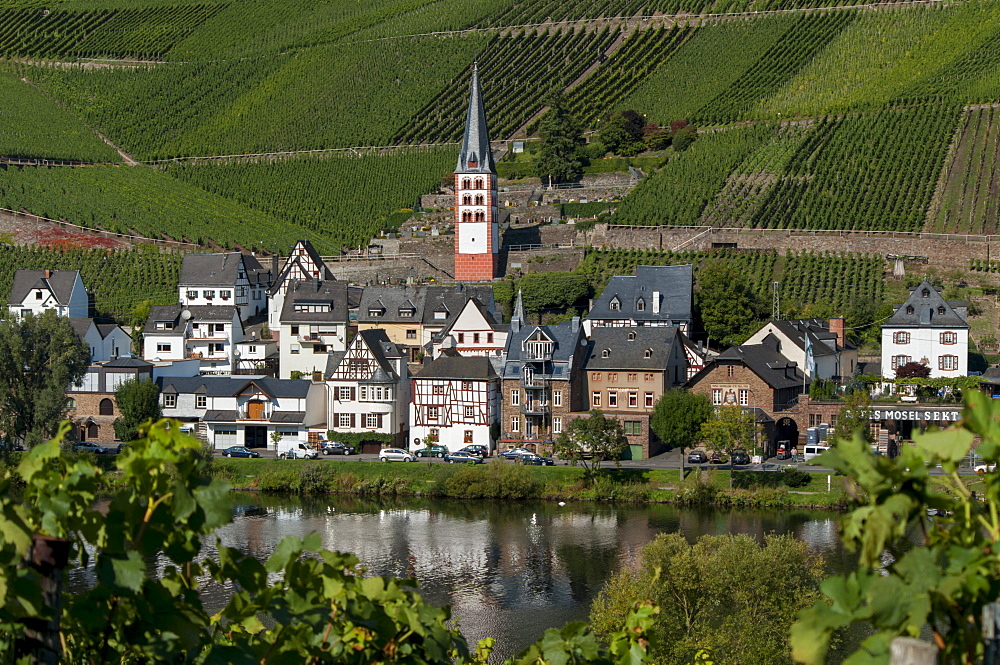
{"x": 228, "y": 279}
{"x": 655, "y": 296}
{"x": 455, "y": 400}
{"x": 35, "y": 291}
{"x": 312, "y": 325}
{"x": 205, "y": 333}
{"x": 929, "y": 330}
{"x": 304, "y": 263}
{"x": 830, "y": 353}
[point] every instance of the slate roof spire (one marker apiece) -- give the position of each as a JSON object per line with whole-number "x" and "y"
{"x": 476, "y": 156}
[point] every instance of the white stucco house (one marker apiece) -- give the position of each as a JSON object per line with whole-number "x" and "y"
{"x": 930, "y": 330}
{"x": 36, "y": 291}
{"x": 206, "y": 333}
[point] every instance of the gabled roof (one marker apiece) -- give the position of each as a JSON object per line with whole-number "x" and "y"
{"x": 331, "y": 294}
{"x": 763, "y": 360}
{"x": 382, "y": 350}
{"x": 231, "y": 386}
{"x": 925, "y": 308}
{"x": 475, "y": 155}
{"x": 671, "y": 286}
{"x": 458, "y": 367}
{"x": 390, "y": 299}
{"x": 81, "y": 326}
{"x": 452, "y": 299}
{"x": 817, "y": 331}
{"x": 295, "y": 263}
{"x": 486, "y": 316}
{"x": 625, "y": 348}
{"x": 59, "y": 282}
{"x": 173, "y": 314}
{"x": 128, "y": 363}
{"x": 221, "y": 269}
{"x": 567, "y": 338}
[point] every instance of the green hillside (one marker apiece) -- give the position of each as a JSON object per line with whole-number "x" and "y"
{"x": 847, "y": 117}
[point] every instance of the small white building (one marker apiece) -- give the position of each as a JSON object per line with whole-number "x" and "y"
{"x": 229, "y": 279}
{"x": 246, "y": 410}
{"x": 455, "y": 400}
{"x": 35, "y": 291}
{"x": 474, "y": 332}
{"x": 930, "y": 330}
{"x": 106, "y": 341}
{"x": 831, "y": 355}
{"x": 208, "y": 334}
{"x": 369, "y": 387}
{"x": 312, "y": 325}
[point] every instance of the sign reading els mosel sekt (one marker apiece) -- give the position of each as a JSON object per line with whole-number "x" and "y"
{"x": 949, "y": 415}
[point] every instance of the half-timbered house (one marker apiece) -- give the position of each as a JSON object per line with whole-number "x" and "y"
{"x": 304, "y": 263}
{"x": 369, "y": 388}
{"x": 455, "y": 401}
{"x": 229, "y": 279}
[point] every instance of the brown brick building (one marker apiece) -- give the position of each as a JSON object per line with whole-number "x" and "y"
{"x": 92, "y": 409}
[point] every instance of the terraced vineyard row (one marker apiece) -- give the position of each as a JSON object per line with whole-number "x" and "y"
{"x": 837, "y": 279}
{"x": 639, "y": 56}
{"x": 516, "y": 73}
{"x": 139, "y": 32}
{"x": 968, "y": 200}
{"x": 33, "y": 126}
{"x": 120, "y": 280}
{"x": 874, "y": 171}
{"x": 600, "y": 265}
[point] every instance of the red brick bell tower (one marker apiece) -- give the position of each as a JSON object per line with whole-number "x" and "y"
{"x": 477, "y": 235}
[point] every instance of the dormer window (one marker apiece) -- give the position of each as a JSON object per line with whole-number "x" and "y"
{"x": 440, "y": 315}
{"x": 606, "y": 353}
{"x": 941, "y": 309}
{"x": 925, "y": 293}
{"x": 615, "y": 304}
{"x": 649, "y": 353}
{"x": 909, "y": 309}
{"x": 375, "y": 312}
{"x": 640, "y": 305}
{"x": 406, "y": 312}
{"x": 631, "y": 336}
{"x": 162, "y": 325}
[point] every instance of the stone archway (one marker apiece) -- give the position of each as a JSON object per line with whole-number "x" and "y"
{"x": 786, "y": 430}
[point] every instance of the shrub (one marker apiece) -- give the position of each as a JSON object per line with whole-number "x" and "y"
{"x": 498, "y": 480}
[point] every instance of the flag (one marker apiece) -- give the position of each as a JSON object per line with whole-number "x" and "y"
{"x": 810, "y": 365}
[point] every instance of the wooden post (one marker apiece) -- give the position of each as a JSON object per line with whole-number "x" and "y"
{"x": 911, "y": 651}
{"x": 40, "y": 643}
{"x": 991, "y": 634}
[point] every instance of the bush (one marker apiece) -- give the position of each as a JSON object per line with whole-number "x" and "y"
{"x": 795, "y": 478}
{"x": 607, "y": 489}
{"x": 496, "y": 480}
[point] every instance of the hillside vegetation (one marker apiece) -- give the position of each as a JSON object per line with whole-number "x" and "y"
{"x": 847, "y": 117}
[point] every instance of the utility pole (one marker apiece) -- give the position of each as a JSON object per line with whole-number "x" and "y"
{"x": 776, "y": 301}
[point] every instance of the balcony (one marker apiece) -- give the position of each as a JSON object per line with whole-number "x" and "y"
{"x": 531, "y": 355}
{"x": 533, "y": 381}
{"x": 535, "y": 408}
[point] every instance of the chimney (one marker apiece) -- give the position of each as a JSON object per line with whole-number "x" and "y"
{"x": 575, "y": 324}
{"x": 656, "y": 302}
{"x": 48, "y": 274}
{"x": 837, "y": 328}
{"x": 274, "y": 264}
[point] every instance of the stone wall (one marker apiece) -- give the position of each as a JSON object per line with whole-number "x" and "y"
{"x": 88, "y": 411}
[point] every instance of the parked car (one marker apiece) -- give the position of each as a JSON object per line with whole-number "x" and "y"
{"x": 716, "y": 458}
{"x": 434, "y": 450}
{"x": 740, "y": 457}
{"x": 515, "y": 453}
{"x": 536, "y": 460}
{"x": 337, "y": 448}
{"x": 390, "y": 454}
{"x": 463, "y": 457}
{"x": 476, "y": 449}
{"x": 697, "y": 457}
{"x": 88, "y": 447}
{"x": 298, "y": 451}
{"x": 239, "y": 451}
{"x": 985, "y": 468}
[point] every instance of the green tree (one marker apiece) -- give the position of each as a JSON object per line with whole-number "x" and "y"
{"x": 553, "y": 290}
{"x": 587, "y": 441}
{"x": 614, "y": 133}
{"x": 40, "y": 357}
{"x": 730, "y": 428}
{"x": 852, "y": 419}
{"x": 730, "y": 309}
{"x": 940, "y": 587}
{"x": 138, "y": 402}
{"x": 711, "y": 597}
{"x": 678, "y": 417}
{"x": 683, "y": 138}
{"x": 558, "y": 155}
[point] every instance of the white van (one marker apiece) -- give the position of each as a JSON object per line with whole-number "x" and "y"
{"x": 293, "y": 449}
{"x": 812, "y": 450}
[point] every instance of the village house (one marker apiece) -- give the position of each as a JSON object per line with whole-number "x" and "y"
{"x": 655, "y": 296}
{"x": 36, "y": 291}
{"x": 474, "y": 332}
{"x": 455, "y": 401}
{"x": 204, "y": 333}
{"x": 304, "y": 263}
{"x": 223, "y": 280}
{"x": 312, "y": 325}
{"x": 817, "y": 346}
{"x": 93, "y": 408}
{"x": 929, "y": 330}
{"x": 106, "y": 341}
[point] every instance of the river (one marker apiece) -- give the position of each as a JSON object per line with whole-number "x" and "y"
{"x": 508, "y": 569}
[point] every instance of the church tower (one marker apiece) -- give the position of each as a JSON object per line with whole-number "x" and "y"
{"x": 477, "y": 235}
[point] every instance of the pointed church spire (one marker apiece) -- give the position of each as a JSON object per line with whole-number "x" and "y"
{"x": 517, "y": 316}
{"x": 476, "y": 156}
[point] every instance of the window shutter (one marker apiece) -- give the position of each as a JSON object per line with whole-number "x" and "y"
{"x": 352, "y": 417}
{"x": 940, "y": 362}
{"x": 352, "y": 395}
{"x": 378, "y": 421}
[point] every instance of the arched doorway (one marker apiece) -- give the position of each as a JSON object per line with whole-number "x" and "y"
{"x": 786, "y": 430}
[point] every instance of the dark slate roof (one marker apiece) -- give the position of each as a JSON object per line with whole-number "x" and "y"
{"x": 567, "y": 337}
{"x": 332, "y": 294}
{"x": 452, "y": 299}
{"x": 672, "y": 283}
{"x": 228, "y": 386}
{"x": 172, "y": 313}
{"x": 382, "y": 350}
{"x": 59, "y": 282}
{"x": 824, "y": 342}
{"x": 221, "y": 269}
{"x": 128, "y": 363}
{"x": 476, "y": 141}
{"x": 220, "y": 416}
{"x": 105, "y": 329}
{"x": 925, "y": 312}
{"x": 627, "y": 348}
{"x": 458, "y": 367}
{"x": 81, "y": 326}
{"x": 289, "y": 417}
{"x": 773, "y": 368}
{"x": 390, "y": 299}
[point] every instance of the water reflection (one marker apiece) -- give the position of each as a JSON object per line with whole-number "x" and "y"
{"x": 508, "y": 569}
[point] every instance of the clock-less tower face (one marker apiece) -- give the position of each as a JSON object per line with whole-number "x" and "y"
{"x": 477, "y": 238}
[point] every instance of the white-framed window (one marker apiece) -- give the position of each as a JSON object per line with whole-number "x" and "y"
{"x": 899, "y": 361}
{"x": 411, "y": 334}
{"x": 744, "y": 397}
{"x": 209, "y": 294}
{"x": 343, "y": 420}
{"x": 437, "y": 389}
{"x": 433, "y": 413}
{"x": 159, "y": 325}
{"x": 949, "y": 337}
{"x": 470, "y": 412}
{"x": 163, "y": 347}
{"x": 169, "y": 401}
{"x": 948, "y": 363}
{"x": 515, "y": 398}
{"x": 192, "y": 295}
{"x": 515, "y": 424}
{"x": 612, "y": 399}
{"x": 557, "y": 425}
{"x": 363, "y": 393}
{"x": 633, "y": 400}
{"x": 716, "y": 396}
{"x": 900, "y": 337}
{"x": 225, "y": 294}
{"x": 595, "y": 398}
{"x": 649, "y": 400}
{"x": 251, "y": 349}
{"x": 371, "y": 420}
{"x": 200, "y": 402}
{"x": 467, "y": 385}
{"x": 344, "y": 393}
{"x": 556, "y": 398}
{"x": 294, "y": 349}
